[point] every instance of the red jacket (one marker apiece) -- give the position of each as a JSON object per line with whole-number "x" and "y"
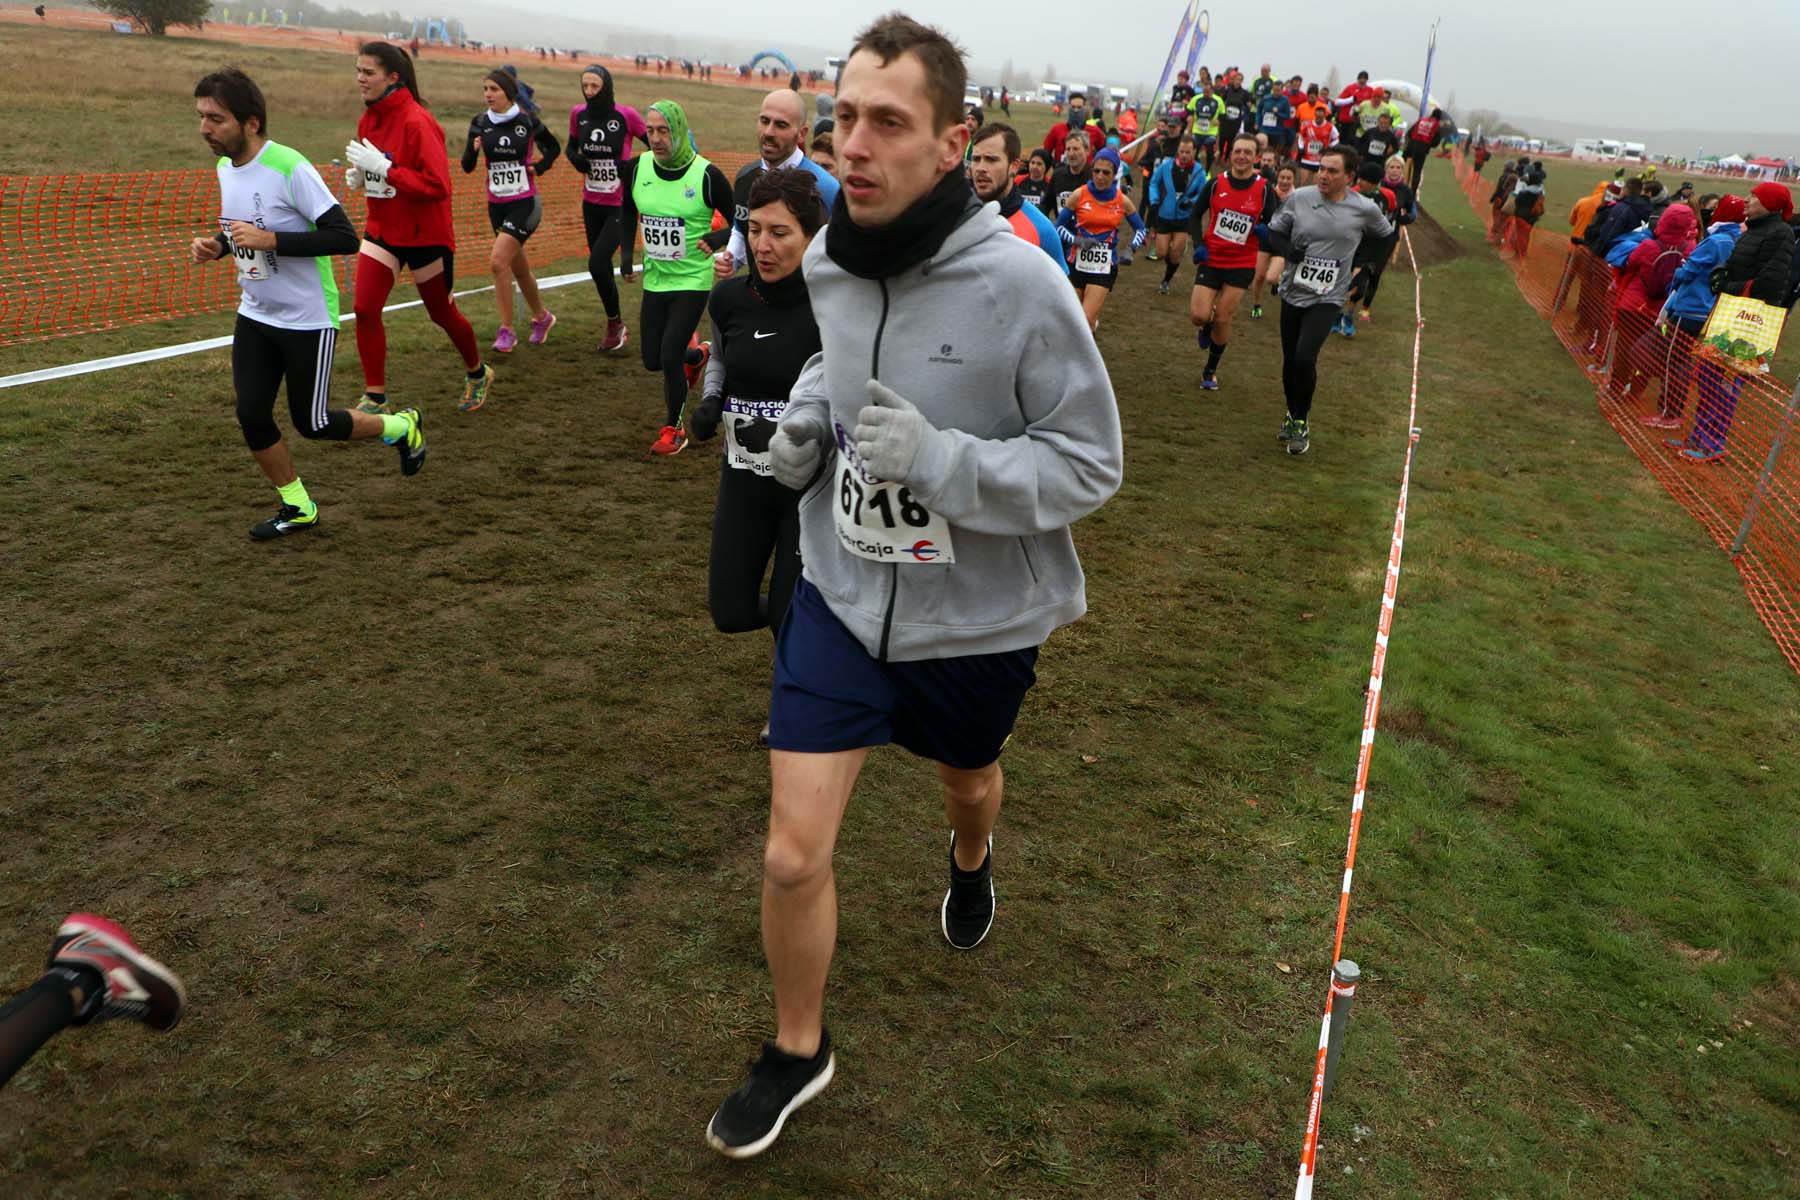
{"x": 419, "y": 212}
{"x": 1058, "y": 137}
{"x": 1644, "y": 283}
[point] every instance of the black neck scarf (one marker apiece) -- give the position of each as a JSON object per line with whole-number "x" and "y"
{"x": 906, "y": 241}
{"x": 1011, "y": 203}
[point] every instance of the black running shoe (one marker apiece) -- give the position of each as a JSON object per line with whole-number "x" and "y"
{"x": 968, "y": 911}
{"x": 750, "y": 1119}
{"x": 287, "y": 519}
{"x": 412, "y": 446}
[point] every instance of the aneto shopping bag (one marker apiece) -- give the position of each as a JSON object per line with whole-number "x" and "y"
{"x": 1742, "y": 332}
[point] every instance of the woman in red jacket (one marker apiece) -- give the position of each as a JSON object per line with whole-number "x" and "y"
{"x": 399, "y": 160}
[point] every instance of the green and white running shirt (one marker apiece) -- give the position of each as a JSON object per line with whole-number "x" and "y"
{"x": 279, "y": 190}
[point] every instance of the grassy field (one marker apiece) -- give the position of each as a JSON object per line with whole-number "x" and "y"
{"x": 450, "y": 812}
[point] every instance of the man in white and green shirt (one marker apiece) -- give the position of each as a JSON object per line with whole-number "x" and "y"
{"x": 279, "y": 225}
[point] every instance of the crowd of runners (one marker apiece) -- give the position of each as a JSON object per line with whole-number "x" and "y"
{"x": 902, "y": 366}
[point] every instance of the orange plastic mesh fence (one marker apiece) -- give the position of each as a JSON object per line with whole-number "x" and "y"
{"x": 80, "y": 253}
{"x": 1704, "y": 423}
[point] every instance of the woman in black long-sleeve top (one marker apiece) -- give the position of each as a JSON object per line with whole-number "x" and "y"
{"x": 763, "y": 334}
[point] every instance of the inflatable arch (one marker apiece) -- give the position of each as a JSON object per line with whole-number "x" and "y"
{"x": 1407, "y": 94}
{"x": 778, "y": 56}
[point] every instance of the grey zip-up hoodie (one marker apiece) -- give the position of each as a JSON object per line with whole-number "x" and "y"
{"x": 987, "y": 339}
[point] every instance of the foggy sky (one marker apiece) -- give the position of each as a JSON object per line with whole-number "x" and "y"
{"x": 1629, "y": 63}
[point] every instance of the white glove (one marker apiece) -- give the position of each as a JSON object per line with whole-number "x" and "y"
{"x": 352, "y": 178}
{"x": 889, "y": 432}
{"x": 796, "y": 449}
{"x": 372, "y": 162}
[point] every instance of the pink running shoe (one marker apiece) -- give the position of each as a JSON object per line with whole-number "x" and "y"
{"x": 505, "y": 341}
{"x": 616, "y": 335}
{"x": 134, "y": 986}
{"x": 1657, "y": 420}
{"x": 540, "y": 328}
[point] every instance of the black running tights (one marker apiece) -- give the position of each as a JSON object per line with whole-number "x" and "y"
{"x": 667, "y": 322}
{"x": 1303, "y": 333}
{"x": 756, "y": 519}
{"x": 32, "y": 1018}
{"x": 262, "y": 357}
{"x": 603, "y": 225}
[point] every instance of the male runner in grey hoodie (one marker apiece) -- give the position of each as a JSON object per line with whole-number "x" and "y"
{"x": 944, "y": 447}
{"x": 1317, "y": 231}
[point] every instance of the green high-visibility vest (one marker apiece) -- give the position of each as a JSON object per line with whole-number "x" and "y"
{"x": 675, "y": 216}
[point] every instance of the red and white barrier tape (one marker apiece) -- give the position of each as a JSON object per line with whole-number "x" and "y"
{"x": 1371, "y": 710}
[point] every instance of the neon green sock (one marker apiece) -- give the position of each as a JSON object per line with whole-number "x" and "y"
{"x": 295, "y": 494}
{"x": 393, "y": 429}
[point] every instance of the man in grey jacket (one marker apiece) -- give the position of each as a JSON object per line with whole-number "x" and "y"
{"x": 944, "y": 448}
{"x": 1318, "y": 231}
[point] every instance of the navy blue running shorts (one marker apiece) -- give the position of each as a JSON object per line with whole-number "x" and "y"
{"x": 830, "y": 694}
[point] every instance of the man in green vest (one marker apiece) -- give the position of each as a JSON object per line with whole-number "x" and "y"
{"x": 676, "y": 199}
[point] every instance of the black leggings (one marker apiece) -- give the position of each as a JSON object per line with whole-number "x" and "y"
{"x": 755, "y": 518}
{"x": 667, "y": 322}
{"x": 1303, "y": 333}
{"x": 261, "y": 357}
{"x": 1416, "y": 154}
{"x": 1364, "y": 287}
{"x": 602, "y": 221}
{"x": 32, "y": 1018}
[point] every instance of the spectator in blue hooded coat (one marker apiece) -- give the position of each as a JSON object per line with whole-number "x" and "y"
{"x": 1690, "y": 303}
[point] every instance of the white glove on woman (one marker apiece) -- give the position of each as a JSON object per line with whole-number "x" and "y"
{"x": 365, "y": 157}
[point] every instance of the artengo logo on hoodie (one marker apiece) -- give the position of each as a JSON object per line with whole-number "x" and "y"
{"x": 944, "y": 355}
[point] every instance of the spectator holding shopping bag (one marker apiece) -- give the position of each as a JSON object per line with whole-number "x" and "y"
{"x": 1758, "y": 269}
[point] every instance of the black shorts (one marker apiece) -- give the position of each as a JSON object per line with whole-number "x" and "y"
{"x": 1109, "y": 281}
{"x": 1170, "y": 225}
{"x": 414, "y": 257}
{"x": 1209, "y": 276}
{"x": 830, "y": 694}
{"x": 517, "y": 218}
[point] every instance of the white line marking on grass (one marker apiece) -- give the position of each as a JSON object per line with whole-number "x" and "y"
{"x": 139, "y": 357}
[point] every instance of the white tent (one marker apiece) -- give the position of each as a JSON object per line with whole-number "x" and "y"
{"x": 1733, "y": 161}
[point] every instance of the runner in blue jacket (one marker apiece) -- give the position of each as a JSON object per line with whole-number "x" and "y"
{"x": 1175, "y": 189}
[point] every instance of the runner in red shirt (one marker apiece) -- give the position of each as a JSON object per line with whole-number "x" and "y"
{"x": 1316, "y": 136}
{"x": 1228, "y": 227}
{"x": 399, "y": 160}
